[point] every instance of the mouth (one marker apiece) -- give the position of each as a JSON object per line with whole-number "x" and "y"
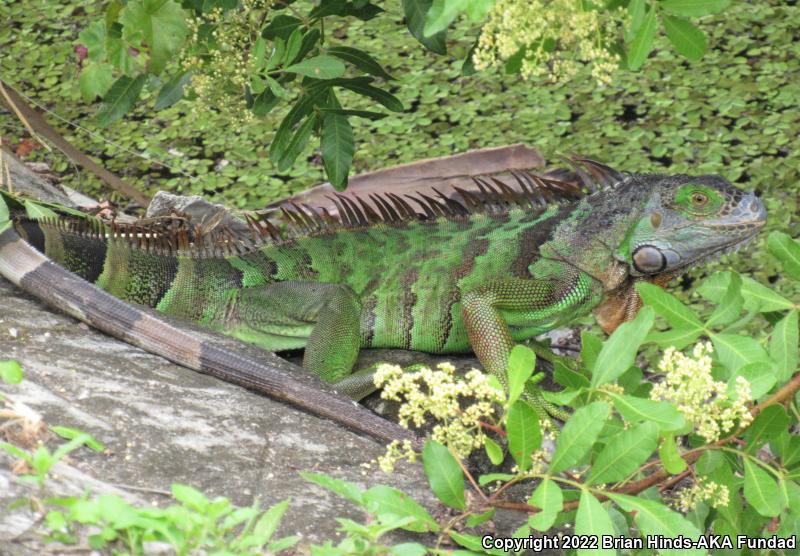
{"x": 726, "y": 249}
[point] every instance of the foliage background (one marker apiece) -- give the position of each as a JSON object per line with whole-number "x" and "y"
{"x": 733, "y": 113}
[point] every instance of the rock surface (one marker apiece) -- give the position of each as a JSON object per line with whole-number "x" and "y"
{"x": 164, "y": 424}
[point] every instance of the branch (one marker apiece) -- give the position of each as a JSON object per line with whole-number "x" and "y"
{"x": 38, "y": 126}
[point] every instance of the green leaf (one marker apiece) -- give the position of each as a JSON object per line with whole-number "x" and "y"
{"x": 162, "y": 23}
{"x": 568, "y": 378}
{"x": 70, "y": 433}
{"x": 756, "y": 296}
{"x": 93, "y": 37}
{"x": 444, "y": 474}
{"x": 476, "y": 519}
{"x": 590, "y": 348}
{"x": 408, "y": 549}
{"x": 359, "y": 59}
{"x": 550, "y": 500}
{"x": 521, "y": 363}
{"x": 277, "y": 89}
{"x": 783, "y": 346}
{"x": 310, "y": 40}
{"x": 95, "y": 80}
{"x": 119, "y": 56}
{"x": 474, "y": 544}
{"x": 678, "y": 338}
{"x": 736, "y": 351}
{"x": 119, "y": 99}
{"x": 730, "y": 305}
{"x": 634, "y": 410}
{"x": 338, "y": 147}
{"x": 297, "y": 143}
{"x": 636, "y": 11}
{"x": 4, "y": 215}
{"x": 654, "y": 518}
{"x": 791, "y": 452}
{"x": 345, "y": 489}
{"x": 365, "y": 89}
{"x": 766, "y": 299}
{"x": 10, "y": 372}
{"x": 524, "y": 433}
{"x": 415, "y": 12}
{"x": 319, "y": 67}
{"x": 281, "y": 26}
{"x": 593, "y": 520}
{"x": 190, "y": 497}
{"x": 172, "y": 91}
{"x": 37, "y": 211}
{"x": 494, "y": 451}
{"x": 770, "y": 423}
{"x": 687, "y": 39}
{"x": 642, "y": 42}
{"x": 670, "y": 455}
{"x": 761, "y": 490}
{"x": 623, "y": 453}
{"x": 270, "y": 520}
{"x": 619, "y": 351}
{"x": 293, "y": 46}
{"x": 669, "y": 307}
{"x": 441, "y": 14}
{"x": 358, "y": 113}
{"x": 276, "y": 54}
{"x": 578, "y": 435}
{"x": 694, "y": 8}
{"x": 786, "y": 250}
{"x": 382, "y": 499}
{"x": 760, "y": 376}
{"x": 494, "y": 477}
{"x": 16, "y": 452}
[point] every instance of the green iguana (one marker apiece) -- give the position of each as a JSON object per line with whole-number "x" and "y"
{"x": 498, "y": 266}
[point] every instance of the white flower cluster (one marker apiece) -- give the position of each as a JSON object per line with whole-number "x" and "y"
{"x": 457, "y": 406}
{"x": 221, "y": 73}
{"x": 557, "y": 36}
{"x": 703, "y": 489}
{"x": 703, "y": 401}
{"x": 394, "y": 453}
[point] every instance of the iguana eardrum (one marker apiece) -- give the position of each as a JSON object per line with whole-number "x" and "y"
{"x": 497, "y": 267}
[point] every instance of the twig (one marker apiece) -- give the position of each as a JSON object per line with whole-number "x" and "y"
{"x": 471, "y": 479}
{"x": 674, "y": 480}
{"x": 493, "y": 428}
{"x": 141, "y": 489}
{"x": 15, "y": 108}
{"x": 34, "y": 122}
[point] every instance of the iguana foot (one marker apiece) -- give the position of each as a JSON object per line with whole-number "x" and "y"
{"x": 360, "y": 384}
{"x": 547, "y": 411}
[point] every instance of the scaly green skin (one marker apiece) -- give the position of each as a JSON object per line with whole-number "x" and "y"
{"x": 482, "y": 281}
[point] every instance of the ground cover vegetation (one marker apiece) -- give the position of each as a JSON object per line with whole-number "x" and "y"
{"x": 683, "y": 421}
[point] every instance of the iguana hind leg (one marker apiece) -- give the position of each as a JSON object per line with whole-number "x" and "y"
{"x": 325, "y": 318}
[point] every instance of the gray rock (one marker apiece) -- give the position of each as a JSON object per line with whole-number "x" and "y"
{"x": 164, "y": 424}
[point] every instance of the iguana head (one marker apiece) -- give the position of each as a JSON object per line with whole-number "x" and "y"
{"x": 688, "y": 219}
{"x": 681, "y": 222}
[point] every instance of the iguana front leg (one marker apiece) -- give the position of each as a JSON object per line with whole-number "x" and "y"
{"x": 498, "y": 313}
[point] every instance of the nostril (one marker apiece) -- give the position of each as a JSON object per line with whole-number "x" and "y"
{"x": 755, "y": 206}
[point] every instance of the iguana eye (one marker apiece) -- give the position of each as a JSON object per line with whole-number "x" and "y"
{"x": 649, "y": 260}
{"x": 699, "y": 199}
